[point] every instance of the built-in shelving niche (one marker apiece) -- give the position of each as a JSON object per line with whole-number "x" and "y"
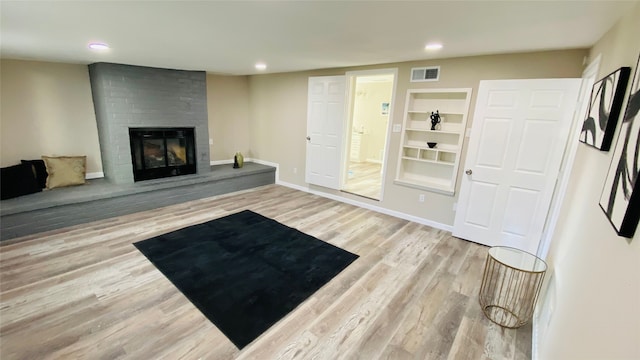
{"x": 423, "y": 167}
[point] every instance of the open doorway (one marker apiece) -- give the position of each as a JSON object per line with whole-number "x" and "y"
{"x": 370, "y": 104}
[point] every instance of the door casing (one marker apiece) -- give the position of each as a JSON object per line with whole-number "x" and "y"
{"x": 588, "y": 79}
{"x": 351, "y": 83}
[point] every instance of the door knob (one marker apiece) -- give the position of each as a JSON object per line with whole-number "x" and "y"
{"x": 468, "y": 172}
{"x": 309, "y": 138}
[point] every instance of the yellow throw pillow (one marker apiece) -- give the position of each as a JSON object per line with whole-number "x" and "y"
{"x": 65, "y": 170}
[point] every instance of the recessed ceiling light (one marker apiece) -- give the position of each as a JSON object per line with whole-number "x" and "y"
{"x": 261, "y": 66}
{"x": 98, "y": 46}
{"x": 433, "y": 46}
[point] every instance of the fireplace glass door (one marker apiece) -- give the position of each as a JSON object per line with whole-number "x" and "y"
{"x": 162, "y": 152}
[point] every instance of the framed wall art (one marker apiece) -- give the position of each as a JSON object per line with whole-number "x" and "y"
{"x": 605, "y": 104}
{"x": 620, "y": 199}
{"x": 384, "y": 108}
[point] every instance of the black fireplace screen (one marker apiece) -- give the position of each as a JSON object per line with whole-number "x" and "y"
{"x": 162, "y": 152}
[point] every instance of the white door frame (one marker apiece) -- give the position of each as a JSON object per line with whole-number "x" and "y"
{"x": 350, "y": 84}
{"x": 588, "y": 79}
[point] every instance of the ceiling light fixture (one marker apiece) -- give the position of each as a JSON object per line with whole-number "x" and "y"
{"x": 433, "y": 46}
{"x": 98, "y": 46}
{"x": 261, "y": 66}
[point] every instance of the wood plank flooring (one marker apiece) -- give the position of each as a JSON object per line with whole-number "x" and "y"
{"x": 366, "y": 179}
{"x": 85, "y": 292}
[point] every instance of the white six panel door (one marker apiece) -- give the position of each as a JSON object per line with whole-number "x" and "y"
{"x": 517, "y": 141}
{"x": 325, "y": 124}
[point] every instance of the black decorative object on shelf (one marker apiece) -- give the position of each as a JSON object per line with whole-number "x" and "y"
{"x": 435, "y": 119}
{"x": 431, "y": 144}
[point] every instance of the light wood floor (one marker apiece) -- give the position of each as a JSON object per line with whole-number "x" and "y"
{"x": 85, "y": 292}
{"x": 366, "y": 180}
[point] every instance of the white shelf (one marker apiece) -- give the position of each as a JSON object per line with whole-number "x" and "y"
{"x": 439, "y": 146}
{"x": 426, "y": 184}
{"x": 434, "y": 131}
{"x": 445, "y": 163}
{"x": 429, "y": 112}
{"x": 439, "y": 149}
{"x": 422, "y": 167}
{"x": 447, "y": 148}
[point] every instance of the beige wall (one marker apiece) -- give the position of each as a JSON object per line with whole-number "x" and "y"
{"x": 47, "y": 109}
{"x": 228, "y": 108}
{"x": 595, "y": 300}
{"x": 278, "y": 122}
{"x": 278, "y": 116}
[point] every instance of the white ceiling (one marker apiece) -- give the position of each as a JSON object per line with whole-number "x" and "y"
{"x": 229, "y": 37}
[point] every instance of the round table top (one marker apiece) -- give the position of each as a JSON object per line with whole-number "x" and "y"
{"x": 517, "y": 259}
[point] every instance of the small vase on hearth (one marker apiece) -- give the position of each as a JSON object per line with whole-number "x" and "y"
{"x": 238, "y": 160}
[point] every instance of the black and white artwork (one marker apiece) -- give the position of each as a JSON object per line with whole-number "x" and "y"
{"x": 605, "y": 104}
{"x": 620, "y": 198}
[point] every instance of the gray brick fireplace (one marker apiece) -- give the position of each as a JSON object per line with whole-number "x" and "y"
{"x": 127, "y": 96}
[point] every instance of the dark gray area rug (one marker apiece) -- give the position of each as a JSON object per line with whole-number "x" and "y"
{"x": 244, "y": 271}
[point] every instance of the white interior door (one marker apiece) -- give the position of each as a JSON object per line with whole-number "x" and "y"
{"x": 325, "y": 128}
{"x": 517, "y": 141}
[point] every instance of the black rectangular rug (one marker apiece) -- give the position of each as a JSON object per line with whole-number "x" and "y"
{"x": 244, "y": 271}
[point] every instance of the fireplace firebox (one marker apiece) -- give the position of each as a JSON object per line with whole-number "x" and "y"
{"x": 162, "y": 152}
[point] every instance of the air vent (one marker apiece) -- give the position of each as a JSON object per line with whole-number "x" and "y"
{"x": 431, "y": 73}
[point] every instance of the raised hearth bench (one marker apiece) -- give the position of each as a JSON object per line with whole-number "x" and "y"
{"x": 100, "y": 199}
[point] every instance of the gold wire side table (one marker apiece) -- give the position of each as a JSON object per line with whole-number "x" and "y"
{"x": 510, "y": 286}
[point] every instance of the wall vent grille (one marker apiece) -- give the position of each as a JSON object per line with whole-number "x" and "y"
{"x": 431, "y": 73}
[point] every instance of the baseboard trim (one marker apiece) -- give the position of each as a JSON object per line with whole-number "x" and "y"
{"x": 379, "y": 209}
{"x": 94, "y": 175}
{"x": 398, "y": 214}
{"x": 534, "y": 338}
{"x": 294, "y": 186}
{"x": 220, "y": 162}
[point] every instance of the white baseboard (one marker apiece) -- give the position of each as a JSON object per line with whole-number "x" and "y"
{"x": 364, "y": 205}
{"x": 262, "y": 162}
{"x": 294, "y": 186}
{"x": 94, "y": 175}
{"x": 220, "y": 162}
{"x": 543, "y": 312}
{"x": 534, "y": 339}
{"x": 367, "y": 206}
{"x": 230, "y": 161}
